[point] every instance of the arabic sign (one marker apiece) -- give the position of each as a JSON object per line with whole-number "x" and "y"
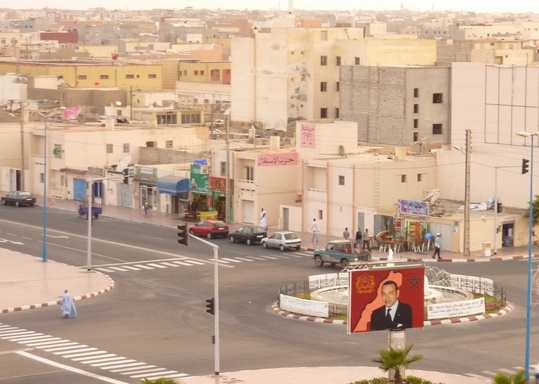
{"x": 218, "y": 184}
{"x": 456, "y": 309}
{"x": 307, "y": 135}
{"x": 277, "y": 159}
{"x": 411, "y": 207}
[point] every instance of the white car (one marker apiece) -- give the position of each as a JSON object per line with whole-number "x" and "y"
{"x": 283, "y": 240}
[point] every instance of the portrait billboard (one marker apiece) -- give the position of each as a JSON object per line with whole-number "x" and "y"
{"x": 388, "y": 298}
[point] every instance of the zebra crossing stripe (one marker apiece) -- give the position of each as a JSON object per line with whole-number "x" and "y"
{"x": 101, "y": 365}
{"x": 229, "y": 260}
{"x": 171, "y": 264}
{"x": 269, "y": 257}
{"x": 183, "y": 263}
{"x": 79, "y": 352}
{"x": 86, "y": 360}
{"x": 66, "y": 346}
{"x": 131, "y": 267}
{"x": 195, "y": 262}
{"x": 128, "y": 367}
{"x": 243, "y": 259}
{"x": 143, "y": 266}
{"x": 156, "y": 265}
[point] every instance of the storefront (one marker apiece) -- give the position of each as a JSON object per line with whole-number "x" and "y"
{"x": 174, "y": 192}
{"x": 217, "y": 187}
{"x": 146, "y": 186}
{"x": 200, "y": 195}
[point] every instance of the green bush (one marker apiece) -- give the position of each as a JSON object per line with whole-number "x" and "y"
{"x": 385, "y": 380}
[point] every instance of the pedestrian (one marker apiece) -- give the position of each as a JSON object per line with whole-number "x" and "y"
{"x": 68, "y": 305}
{"x": 437, "y": 244}
{"x": 263, "y": 223}
{"x": 366, "y": 240}
{"x": 314, "y": 229}
{"x": 359, "y": 236}
{"x": 346, "y": 234}
{"x": 146, "y": 206}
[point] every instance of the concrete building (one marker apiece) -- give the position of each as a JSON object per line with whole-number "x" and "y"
{"x": 398, "y": 105}
{"x": 290, "y": 74}
{"x": 494, "y": 102}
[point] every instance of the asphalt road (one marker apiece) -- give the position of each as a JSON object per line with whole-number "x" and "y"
{"x": 156, "y": 314}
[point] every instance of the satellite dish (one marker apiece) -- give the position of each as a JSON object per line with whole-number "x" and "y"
{"x": 123, "y": 163}
{"x": 433, "y": 196}
{"x": 420, "y": 142}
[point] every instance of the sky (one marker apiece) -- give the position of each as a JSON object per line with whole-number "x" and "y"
{"x": 483, "y": 6}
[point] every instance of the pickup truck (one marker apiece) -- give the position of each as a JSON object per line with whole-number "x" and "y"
{"x": 339, "y": 252}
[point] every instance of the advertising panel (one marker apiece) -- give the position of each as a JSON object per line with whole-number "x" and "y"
{"x": 381, "y": 299}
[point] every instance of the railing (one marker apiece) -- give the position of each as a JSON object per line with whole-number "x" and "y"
{"x": 471, "y": 284}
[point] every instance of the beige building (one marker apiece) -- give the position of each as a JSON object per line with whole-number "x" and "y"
{"x": 290, "y": 74}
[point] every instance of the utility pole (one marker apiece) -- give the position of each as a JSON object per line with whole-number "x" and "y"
{"x": 467, "y": 194}
{"x": 227, "y": 185}
{"x": 22, "y": 145}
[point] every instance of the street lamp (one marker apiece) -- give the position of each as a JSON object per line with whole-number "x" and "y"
{"x": 530, "y": 239}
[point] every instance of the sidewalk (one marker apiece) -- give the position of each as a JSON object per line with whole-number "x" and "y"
{"x": 29, "y": 283}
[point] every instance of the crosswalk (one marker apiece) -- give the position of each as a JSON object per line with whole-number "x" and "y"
{"x": 82, "y": 353}
{"x": 188, "y": 262}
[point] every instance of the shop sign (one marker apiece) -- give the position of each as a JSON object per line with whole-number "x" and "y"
{"x": 411, "y": 207}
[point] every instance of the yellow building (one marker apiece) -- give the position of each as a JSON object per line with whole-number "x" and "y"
{"x": 93, "y": 74}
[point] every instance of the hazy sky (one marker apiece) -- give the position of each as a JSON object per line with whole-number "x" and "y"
{"x": 516, "y": 6}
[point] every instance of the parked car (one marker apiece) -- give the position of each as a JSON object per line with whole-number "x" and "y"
{"x": 19, "y": 198}
{"x": 339, "y": 252}
{"x": 283, "y": 240}
{"x": 209, "y": 228}
{"x": 248, "y": 234}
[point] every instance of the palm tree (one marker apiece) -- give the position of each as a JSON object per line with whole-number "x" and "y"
{"x": 535, "y": 207}
{"x": 161, "y": 380}
{"x": 396, "y": 359}
{"x": 503, "y": 378}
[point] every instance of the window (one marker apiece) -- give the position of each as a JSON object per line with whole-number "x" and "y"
{"x": 320, "y": 214}
{"x": 323, "y": 113}
{"x": 129, "y": 76}
{"x": 196, "y": 73}
{"x": 323, "y": 86}
{"x": 416, "y": 136}
{"x": 110, "y": 148}
{"x": 419, "y": 177}
{"x": 163, "y": 119}
{"x": 416, "y": 92}
{"x": 323, "y": 60}
{"x": 338, "y": 59}
{"x": 341, "y": 180}
{"x": 403, "y": 178}
{"x": 152, "y": 76}
{"x": 126, "y": 147}
{"x": 436, "y": 129}
{"x": 416, "y": 123}
{"x": 223, "y": 168}
{"x": 104, "y": 77}
{"x": 324, "y": 35}
{"x": 337, "y": 113}
{"x": 169, "y": 144}
{"x": 416, "y": 108}
{"x": 41, "y": 177}
{"x": 191, "y": 118}
{"x": 338, "y": 86}
{"x": 249, "y": 173}
{"x": 357, "y": 61}
{"x": 215, "y": 75}
{"x": 437, "y": 98}
{"x": 82, "y": 77}
{"x": 185, "y": 72}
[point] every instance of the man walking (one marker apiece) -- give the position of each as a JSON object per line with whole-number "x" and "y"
{"x": 437, "y": 245}
{"x": 359, "y": 237}
{"x": 346, "y": 234}
{"x": 314, "y": 229}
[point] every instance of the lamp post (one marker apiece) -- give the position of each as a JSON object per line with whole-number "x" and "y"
{"x": 44, "y": 253}
{"x": 530, "y": 239}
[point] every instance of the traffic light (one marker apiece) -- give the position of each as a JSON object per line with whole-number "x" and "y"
{"x": 213, "y": 339}
{"x": 525, "y": 165}
{"x": 210, "y": 306}
{"x": 126, "y": 175}
{"x": 499, "y": 207}
{"x": 183, "y": 234}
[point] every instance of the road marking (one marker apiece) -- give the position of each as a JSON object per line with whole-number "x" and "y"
{"x": 72, "y": 369}
{"x": 85, "y": 354}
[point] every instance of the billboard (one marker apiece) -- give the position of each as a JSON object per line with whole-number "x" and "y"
{"x": 389, "y": 298}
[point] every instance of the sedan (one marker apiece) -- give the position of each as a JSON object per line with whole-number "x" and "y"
{"x": 283, "y": 240}
{"x": 19, "y": 198}
{"x": 248, "y": 234}
{"x": 209, "y": 229}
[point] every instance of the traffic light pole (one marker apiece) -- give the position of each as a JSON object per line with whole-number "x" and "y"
{"x": 216, "y": 299}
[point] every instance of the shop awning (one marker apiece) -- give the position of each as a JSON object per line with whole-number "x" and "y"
{"x": 172, "y": 185}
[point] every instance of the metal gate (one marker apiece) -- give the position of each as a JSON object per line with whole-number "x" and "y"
{"x": 286, "y": 219}
{"x": 124, "y": 195}
{"x": 79, "y": 188}
{"x": 248, "y": 212}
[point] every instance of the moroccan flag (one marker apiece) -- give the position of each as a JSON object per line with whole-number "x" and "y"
{"x": 115, "y": 57}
